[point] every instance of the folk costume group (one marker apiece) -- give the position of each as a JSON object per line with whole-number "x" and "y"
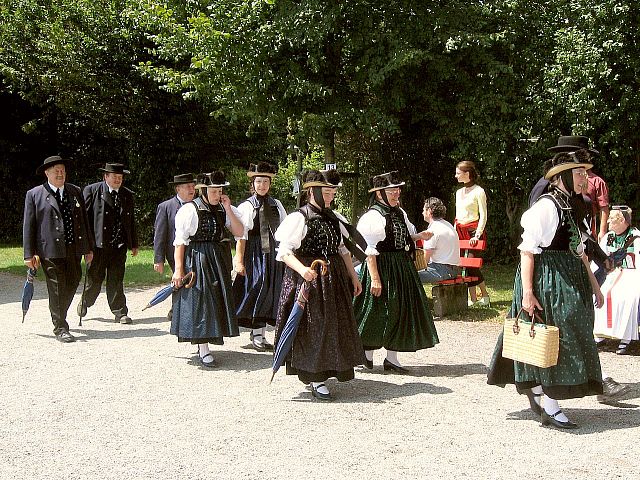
{"x": 348, "y": 315}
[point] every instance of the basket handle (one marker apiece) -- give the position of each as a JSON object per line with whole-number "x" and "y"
{"x": 532, "y": 332}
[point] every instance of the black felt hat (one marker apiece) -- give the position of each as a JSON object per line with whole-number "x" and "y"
{"x": 385, "y": 180}
{"x": 114, "y": 168}
{"x": 261, "y": 169}
{"x": 214, "y": 180}
{"x": 321, "y": 178}
{"x": 183, "y": 178}
{"x": 571, "y": 143}
{"x": 50, "y": 162}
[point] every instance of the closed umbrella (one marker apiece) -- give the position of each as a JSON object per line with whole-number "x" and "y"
{"x": 187, "y": 281}
{"x": 27, "y": 290}
{"x": 288, "y": 333}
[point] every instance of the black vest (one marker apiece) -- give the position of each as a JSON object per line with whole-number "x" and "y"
{"x": 323, "y": 235}
{"x": 397, "y": 233}
{"x": 211, "y": 222}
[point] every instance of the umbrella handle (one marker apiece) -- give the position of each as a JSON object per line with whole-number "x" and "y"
{"x": 322, "y": 264}
{"x": 188, "y": 280}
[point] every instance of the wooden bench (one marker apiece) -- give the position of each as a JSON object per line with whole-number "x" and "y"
{"x": 450, "y": 296}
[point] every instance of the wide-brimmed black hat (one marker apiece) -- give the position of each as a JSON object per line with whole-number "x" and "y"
{"x": 261, "y": 169}
{"x": 564, "y": 161}
{"x": 321, "y": 178}
{"x": 571, "y": 143}
{"x": 385, "y": 180}
{"x": 114, "y": 168}
{"x": 214, "y": 180}
{"x": 50, "y": 162}
{"x": 183, "y": 178}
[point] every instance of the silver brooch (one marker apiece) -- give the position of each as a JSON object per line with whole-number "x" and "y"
{"x": 77, "y": 203}
{"x": 406, "y": 248}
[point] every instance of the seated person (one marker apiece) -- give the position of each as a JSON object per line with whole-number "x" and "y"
{"x": 441, "y": 251}
{"x": 619, "y": 317}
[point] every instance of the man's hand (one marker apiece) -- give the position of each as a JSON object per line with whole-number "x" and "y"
{"x": 159, "y": 267}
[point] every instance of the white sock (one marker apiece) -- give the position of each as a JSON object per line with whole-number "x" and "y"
{"x": 369, "y": 355}
{"x": 203, "y": 349}
{"x": 257, "y": 336}
{"x": 551, "y": 406}
{"x": 537, "y": 391}
{"x": 392, "y": 357}
{"x": 320, "y": 387}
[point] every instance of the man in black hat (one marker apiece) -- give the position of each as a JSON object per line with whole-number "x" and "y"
{"x": 110, "y": 210}
{"x": 165, "y": 226}
{"x": 56, "y": 228}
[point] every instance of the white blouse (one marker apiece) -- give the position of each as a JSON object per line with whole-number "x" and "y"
{"x": 540, "y": 223}
{"x": 248, "y": 212}
{"x": 187, "y": 223}
{"x": 372, "y": 228}
{"x": 292, "y": 231}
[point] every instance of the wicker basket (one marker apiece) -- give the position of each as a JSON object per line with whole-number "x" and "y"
{"x": 419, "y": 260}
{"x": 532, "y": 343}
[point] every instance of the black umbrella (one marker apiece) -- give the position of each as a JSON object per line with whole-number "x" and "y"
{"x": 27, "y": 290}
{"x": 187, "y": 281}
{"x": 290, "y": 328}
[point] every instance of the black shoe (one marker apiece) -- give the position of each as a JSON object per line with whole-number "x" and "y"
{"x": 612, "y": 390}
{"x": 623, "y": 349}
{"x": 210, "y": 364}
{"x": 388, "y": 366}
{"x": 601, "y": 345}
{"x": 368, "y": 364}
{"x": 320, "y": 395}
{"x": 81, "y": 309}
{"x": 65, "y": 337}
{"x": 258, "y": 342}
{"x": 535, "y": 406}
{"x": 125, "y": 320}
{"x": 551, "y": 420}
{"x": 267, "y": 346}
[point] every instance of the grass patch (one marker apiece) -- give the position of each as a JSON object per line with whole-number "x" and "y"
{"x": 499, "y": 280}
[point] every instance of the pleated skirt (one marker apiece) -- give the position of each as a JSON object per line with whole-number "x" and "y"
{"x": 204, "y": 313}
{"x": 561, "y": 285}
{"x": 399, "y": 319}
{"x": 257, "y": 293}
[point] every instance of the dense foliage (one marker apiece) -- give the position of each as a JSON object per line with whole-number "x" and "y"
{"x": 172, "y": 86}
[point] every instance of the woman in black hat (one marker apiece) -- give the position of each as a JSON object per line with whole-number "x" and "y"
{"x": 327, "y": 342}
{"x": 258, "y": 281}
{"x": 392, "y": 312}
{"x": 554, "y": 278}
{"x": 203, "y": 313}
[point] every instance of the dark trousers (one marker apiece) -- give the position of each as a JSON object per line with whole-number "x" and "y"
{"x": 62, "y": 276}
{"x": 108, "y": 262}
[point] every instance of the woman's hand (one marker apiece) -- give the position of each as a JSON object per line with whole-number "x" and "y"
{"x": 176, "y": 279}
{"x": 530, "y": 302}
{"x": 238, "y": 266}
{"x": 473, "y": 241}
{"x": 376, "y": 287}
{"x": 308, "y": 273}
{"x": 599, "y": 298}
{"x": 225, "y": 201}
{"x": 357, "y": 286}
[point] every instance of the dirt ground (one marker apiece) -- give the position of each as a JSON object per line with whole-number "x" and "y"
{"x": 129, "y": 402}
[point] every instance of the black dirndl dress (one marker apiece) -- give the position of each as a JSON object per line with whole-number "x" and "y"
{"x": 561, "y": 285}
{"x": 327, "y": 343}
{"x": 399, "y": 319}
{"x": 257, "y": 293}
{"x": 204, "y": 312}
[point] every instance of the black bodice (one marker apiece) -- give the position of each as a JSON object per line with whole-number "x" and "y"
{"x": 323, "y": 234}
{"x": 397, "y": 236}
{"x": 273, "y": 210}
{"x": 564, "y": 233}
{"x": 211, "y": 222}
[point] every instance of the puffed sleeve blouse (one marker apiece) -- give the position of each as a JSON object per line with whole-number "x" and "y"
{"x": 372, "y": 228}
{"x": 292, "y": 231}
{"x": 247, "y": 213}
{"x": 187, "y": 223}
{"x": 540, "y": 223}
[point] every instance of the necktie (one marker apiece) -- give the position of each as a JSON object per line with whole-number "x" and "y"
{"x": 117, "y": 239}
{"x": 58, "y": 196}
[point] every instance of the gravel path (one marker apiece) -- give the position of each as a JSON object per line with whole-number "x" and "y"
{"x": 128, "y": 401}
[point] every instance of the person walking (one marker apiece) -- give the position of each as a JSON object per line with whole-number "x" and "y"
{"x": 56, "y": 228}
{"x": 392, "y": 312}
{"x": 258, "y": 280}
{"x": 110, "y": 209}
{"x": 327, "y": 343}
{"x": 203, "y": 311}
{"x": 164, "y": 230}
{"x": 554, "y": 279}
